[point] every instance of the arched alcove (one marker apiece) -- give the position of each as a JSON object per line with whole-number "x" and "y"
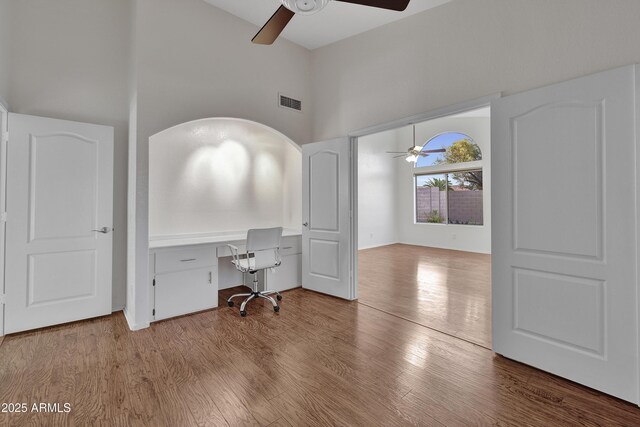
{"x": 222, "y": 175}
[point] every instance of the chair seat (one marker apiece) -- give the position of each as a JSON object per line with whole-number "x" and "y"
{"x": 243, "y": 265}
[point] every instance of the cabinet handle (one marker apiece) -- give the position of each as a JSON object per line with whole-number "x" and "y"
{"x": 210, "y": 278}
{"x": 288, "y": 247}
{"x": 187, "y": 260}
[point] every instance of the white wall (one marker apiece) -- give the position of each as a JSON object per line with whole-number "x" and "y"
{"x": 4, "y": 49}
{"x": 196, "y": 61}
{"x": 386, "y": 208}
{"x": 466, "y": 49}
{"x": 68, "y": 59}
{"x": 472, "y": 238}
{"x": 222, "y": 175}
{"x": 377, "y": 190}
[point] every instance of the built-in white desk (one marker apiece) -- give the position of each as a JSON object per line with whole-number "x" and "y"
{"x": 186, "y": 272}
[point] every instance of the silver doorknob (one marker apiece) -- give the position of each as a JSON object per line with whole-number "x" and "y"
{"x": 103, "y": 230}
{"x": 306, "y": 224}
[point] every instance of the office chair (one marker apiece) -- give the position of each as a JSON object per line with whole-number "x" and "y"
{"x": 263, "y": 252}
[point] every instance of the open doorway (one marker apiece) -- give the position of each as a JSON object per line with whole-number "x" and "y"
{"x": 424, "y": 223}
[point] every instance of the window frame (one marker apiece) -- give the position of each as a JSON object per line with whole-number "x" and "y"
{"x": 448, "y": 168}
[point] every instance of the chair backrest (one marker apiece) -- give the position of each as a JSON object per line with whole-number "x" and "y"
{"x": 264, "y": 245}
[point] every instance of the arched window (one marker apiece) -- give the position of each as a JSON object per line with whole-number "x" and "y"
{"x": 458, "y": 148}
{"x": 448, "y": 181}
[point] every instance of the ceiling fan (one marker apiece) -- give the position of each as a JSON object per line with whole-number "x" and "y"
{"x": 413, "y": 153}
{"x": 274, "y": 26}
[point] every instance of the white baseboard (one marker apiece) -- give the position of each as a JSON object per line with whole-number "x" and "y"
{"x": 222, "y": 287}
{"x": 377, "y": 246}
{"x": 448, "y": 247}
{"x": 132, "y": 325}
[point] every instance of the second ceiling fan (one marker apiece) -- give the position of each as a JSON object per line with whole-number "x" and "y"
{"x": 274, "y": 26}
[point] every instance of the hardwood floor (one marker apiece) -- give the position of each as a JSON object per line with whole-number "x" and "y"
{"x": 320, "y": 361}
{"x": 449, "y": 291}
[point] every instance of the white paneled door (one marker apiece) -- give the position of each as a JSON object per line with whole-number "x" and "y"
{"x": 326, "y": 231}
{"x": 59, "y": 222}
{"x": 564, "y": 230}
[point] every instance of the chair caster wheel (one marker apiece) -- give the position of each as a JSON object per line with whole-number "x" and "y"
{"x": 279, "y": 297}
{"x": 243, "y": 313}
{"x": 276, "y": 308}
{"x": 230, "y": 303}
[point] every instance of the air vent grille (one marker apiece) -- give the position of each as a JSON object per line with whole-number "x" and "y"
{"x": 288, "y": 102}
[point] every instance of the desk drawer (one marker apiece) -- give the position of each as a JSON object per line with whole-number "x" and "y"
{"x": 291, "y": 245}
{"x": 185, "y": 258}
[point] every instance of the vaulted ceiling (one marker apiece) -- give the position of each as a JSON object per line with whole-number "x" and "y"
{"x": 335, "y": 22}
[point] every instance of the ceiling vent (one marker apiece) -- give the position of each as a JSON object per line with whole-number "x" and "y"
{"x": 290, "y": 103}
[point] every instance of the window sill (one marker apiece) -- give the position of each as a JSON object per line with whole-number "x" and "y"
{"x": 449, "y": 225}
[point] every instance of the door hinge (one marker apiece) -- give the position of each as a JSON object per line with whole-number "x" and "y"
{"x": 5, "y": 137}
{"x": 153, "y": 312}
{"x": 3, "y": 299}
{"x": 154, "y": 282}
{"x": 3, "y": 217}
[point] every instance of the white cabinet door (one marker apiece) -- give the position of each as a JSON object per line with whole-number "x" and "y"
{"x": 187, "y": 291}
{"x": 326, "y": 232}
{"x": 564, "y": 230}
{"x": 59, "y": 192}
{"x": 287, "y": 276}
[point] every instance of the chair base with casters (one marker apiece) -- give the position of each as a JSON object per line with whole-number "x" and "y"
{"x": 263, "y": 252}
{"x": 255, "y": 294}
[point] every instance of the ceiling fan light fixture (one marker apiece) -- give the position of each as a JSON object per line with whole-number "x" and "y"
{"x": 305, "y": 7}
{"x": 411, "y": 158}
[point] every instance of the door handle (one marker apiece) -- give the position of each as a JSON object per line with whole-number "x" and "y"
{"x": 306, "y": 224}
{"x": 103, "y": 230}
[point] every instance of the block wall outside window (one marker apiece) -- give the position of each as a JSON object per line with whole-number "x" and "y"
{"x": 444, "y": 199}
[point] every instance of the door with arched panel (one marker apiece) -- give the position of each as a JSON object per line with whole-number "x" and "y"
{"x": 326, "y": 214}
{"x": 59, "y": 222}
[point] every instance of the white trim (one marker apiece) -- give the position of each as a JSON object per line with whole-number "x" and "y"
{"x": 450, "y": 167}
{"x": 450, "y": 110}
{"x": 473, "y": 104}
{"x": 353, "y": 202}
{"x": 637, "y": 184}
{"x": 4, "y": 129}
{"x": 133, "y": 326}
{"x": 379, "y": 245}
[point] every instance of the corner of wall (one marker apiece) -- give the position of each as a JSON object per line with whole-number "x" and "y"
{"x": 132, "y": 325}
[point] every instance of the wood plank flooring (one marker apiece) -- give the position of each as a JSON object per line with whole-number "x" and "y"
{"x": 320, "y": 361}
{"x": 449, "y": 291}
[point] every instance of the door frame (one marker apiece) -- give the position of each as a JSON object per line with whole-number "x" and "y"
{"x": 637, "y": 173}
{"x": 4, "y": 137}
{"x": 449, "y": 110}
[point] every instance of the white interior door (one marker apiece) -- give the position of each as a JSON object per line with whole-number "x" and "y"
{"x": 564, "y": 230}
{"x": 326, "y": 231}
{"x": 59, "y": 191}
